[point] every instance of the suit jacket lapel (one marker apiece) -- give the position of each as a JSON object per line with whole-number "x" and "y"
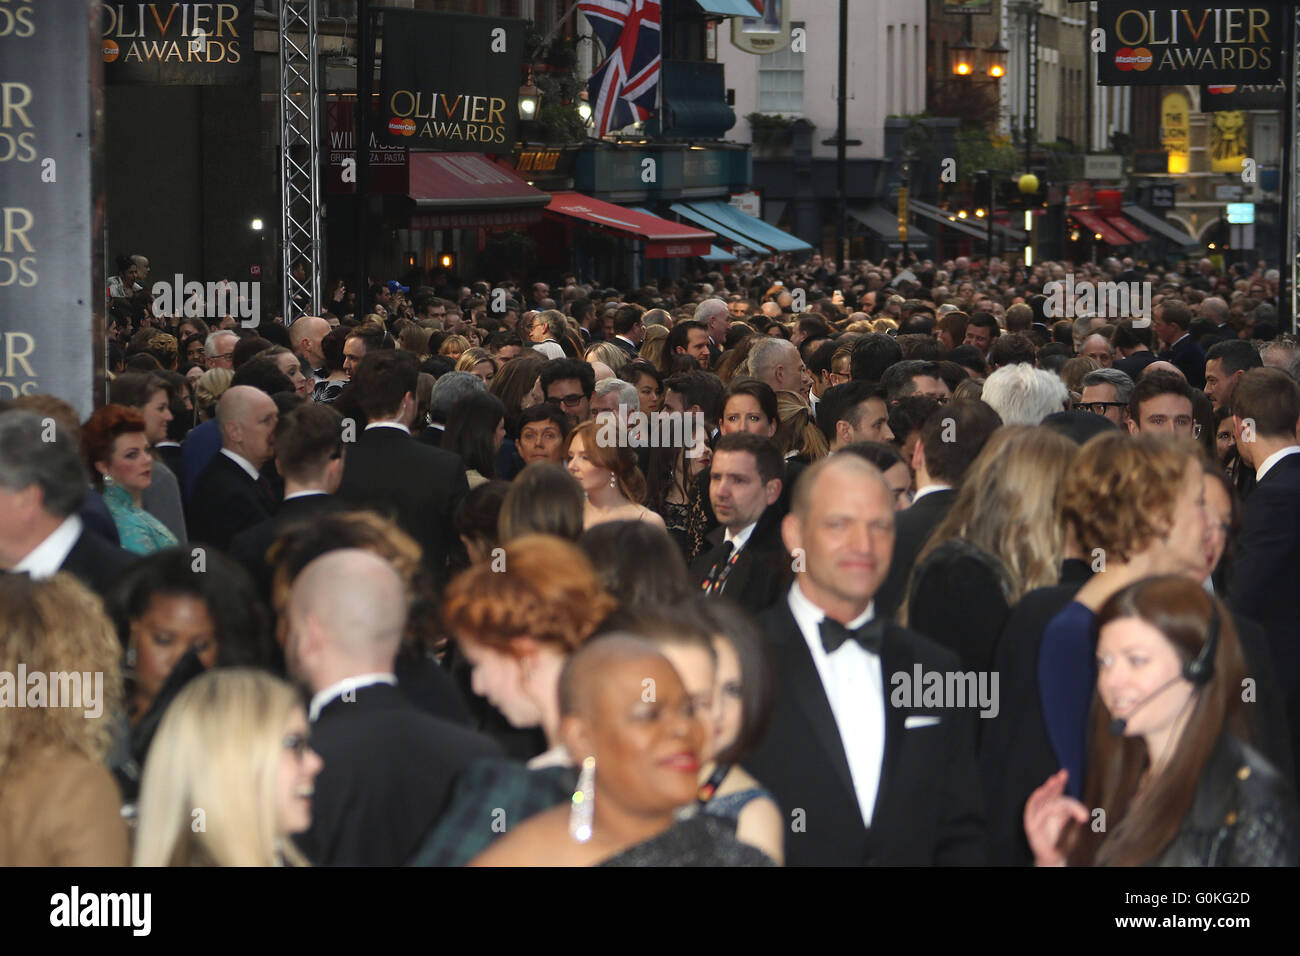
{"x": 809, "y": 695}
{"x": 893, "y": 659}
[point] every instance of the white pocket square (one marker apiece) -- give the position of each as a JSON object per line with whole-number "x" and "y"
{"x": 911, "y": 722}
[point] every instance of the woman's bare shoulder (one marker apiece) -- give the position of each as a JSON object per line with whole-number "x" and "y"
{"x": 538, "y": 841}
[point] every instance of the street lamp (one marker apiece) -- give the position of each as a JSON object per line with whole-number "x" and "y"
{"x": 996, "y": 56}
{"x": 584, "y": 108}
{"x": 961, "y": 57}
{"x": 530, "y": 99}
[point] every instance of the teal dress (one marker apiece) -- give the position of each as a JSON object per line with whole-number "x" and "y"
{"x": 139, "y": 531}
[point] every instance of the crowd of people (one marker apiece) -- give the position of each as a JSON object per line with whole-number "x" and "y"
{"x": 943, "y": 575}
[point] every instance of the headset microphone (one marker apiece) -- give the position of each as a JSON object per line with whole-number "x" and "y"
{"x": 1197, "y": 671}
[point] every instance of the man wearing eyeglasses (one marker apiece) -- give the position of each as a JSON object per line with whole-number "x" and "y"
{"x": 220, "y": 349}
{"x": 1106, "y": 393}
{"x": 1161, "y": 403}
{"x": 568, "y": 384}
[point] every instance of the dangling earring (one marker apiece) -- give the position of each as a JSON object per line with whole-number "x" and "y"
{"x": 584, "y": 802}
{"x": 130, "y": 656}
{"x": 613, "y": 480}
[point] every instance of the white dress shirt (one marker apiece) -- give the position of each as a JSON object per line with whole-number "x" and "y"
{"x": 243, "y": 463}
{"x": 929, "y": 490}
{"x": 740, "y": 538}
{"x": 46, "y": 558}
{"x": 855, "y": 689}
{"x": 346, "y": 685}
{"x": 1273, "y": 459}
{"x": 388, "y": 424}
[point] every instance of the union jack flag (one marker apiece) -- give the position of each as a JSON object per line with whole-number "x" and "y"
{"x": 623, "y": 88}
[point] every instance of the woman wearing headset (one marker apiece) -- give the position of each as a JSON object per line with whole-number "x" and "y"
{"x": 1171, "y": 781}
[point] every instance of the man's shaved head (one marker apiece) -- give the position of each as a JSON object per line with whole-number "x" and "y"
{"x": 582, "y": 674}
{"x": 240, "y": 403}
{"x": 805, "y": 488}
{"x": 1162, "y": 366}
{"x": 357, "y": 600}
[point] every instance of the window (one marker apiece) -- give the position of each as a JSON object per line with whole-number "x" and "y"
{"x": 780, "y": 81}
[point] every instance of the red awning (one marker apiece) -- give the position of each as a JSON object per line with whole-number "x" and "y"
{"x": 467, "y": 190}
{"x": 663, "y": 238}
{"x": 1096, "y": 225}
{"x": 1126, "y": 226}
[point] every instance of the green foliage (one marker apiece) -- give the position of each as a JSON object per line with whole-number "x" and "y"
{"x": 557, "y": 119}
{"x": 977, "y": 149}
{"x": 768, "y": 121}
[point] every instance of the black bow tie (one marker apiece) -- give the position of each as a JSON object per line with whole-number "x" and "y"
{"x": 869, "y": 635}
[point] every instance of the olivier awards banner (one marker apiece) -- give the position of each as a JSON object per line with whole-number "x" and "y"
{"x": 1188, "y": 44}
{"x": 451, "y": 81}
{"x": 51, "y": 311}
{"x": 1270, "y": 97}
{"x": 178, "y": 44}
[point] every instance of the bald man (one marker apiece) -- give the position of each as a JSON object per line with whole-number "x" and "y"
{"x": 306, "y": 335}
{"x": 389, "y": 767}
{"x": 231, "y": 494}
{"x": 874, "y": 774}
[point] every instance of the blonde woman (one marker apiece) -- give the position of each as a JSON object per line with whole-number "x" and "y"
{"x": 480, "y": 362}
{"x": 232, "y": 754}
{"x": 797, "y": 435}
{"x": 1003, "y": 537}
{"x": 59, "y": 806}
{"x": 610, "y": 354}
{"x": 211, "y": 386}
{"x": 453, "y": 346}
{"x": 652, "y": 346}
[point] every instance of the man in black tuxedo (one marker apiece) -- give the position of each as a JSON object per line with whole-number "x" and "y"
{"x": 389, "y": 767}
{"x": 1171, "y": 321}
{"x": 232, "y": 495}
{"x": 1266, "y": 579}
{"x": 42, "y": 486}
{"x": 309, "y": 454}
{"x": 864, "y": 774}
{"x": 629, "y": 330}
{"x": 952, "y": 436}
{"x": 389, "y": 472}
{"x": 745, "y": 558}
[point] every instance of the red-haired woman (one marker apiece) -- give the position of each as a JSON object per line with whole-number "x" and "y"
{"x": 1168, "y": 767}
{"x": 116, "y": 447}
{"x": 609, "y": 477}
{"x": 516, "y": 626}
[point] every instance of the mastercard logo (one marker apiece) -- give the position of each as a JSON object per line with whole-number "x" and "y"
{"x": 399, "y": 126}
{"x": 1138, "y": 59}
{"x": 110, "y": 51}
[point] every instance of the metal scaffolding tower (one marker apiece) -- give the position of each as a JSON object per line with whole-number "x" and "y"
{"x": 300, "y": 220}
{"x": 1287, "y": 297}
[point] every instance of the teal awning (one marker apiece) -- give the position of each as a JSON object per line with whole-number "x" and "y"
{"x": 729, "y": 8}
{"x": 689, "y": 214}
{"x": 718, "y": 254}
{"x": 759, "y": 235}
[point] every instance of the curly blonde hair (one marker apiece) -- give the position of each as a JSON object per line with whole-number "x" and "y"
{"x": 57, "y": 626}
